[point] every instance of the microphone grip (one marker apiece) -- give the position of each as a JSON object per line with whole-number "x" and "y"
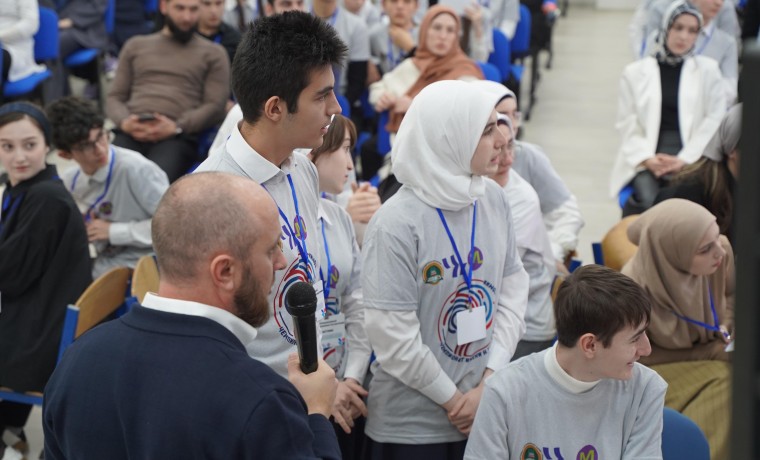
{"x": 306, "y": 339}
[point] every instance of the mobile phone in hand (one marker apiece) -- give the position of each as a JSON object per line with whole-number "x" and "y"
{"x": 143, "y": 117}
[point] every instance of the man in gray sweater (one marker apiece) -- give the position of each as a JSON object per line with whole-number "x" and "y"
{"x": 586, "y": 397}
{"x": 170, "y": 87}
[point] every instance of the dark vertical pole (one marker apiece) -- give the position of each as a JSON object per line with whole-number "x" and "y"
{"x": 746, "y": 363}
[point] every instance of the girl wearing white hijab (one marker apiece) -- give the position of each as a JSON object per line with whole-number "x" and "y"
{"x": 444, "y": 289}
{"x": 670, "y": 105}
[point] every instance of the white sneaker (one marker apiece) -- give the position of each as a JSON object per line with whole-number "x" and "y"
{"x": 12, "y": 454}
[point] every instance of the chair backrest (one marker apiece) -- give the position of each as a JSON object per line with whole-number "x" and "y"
{"x": 501, "y": 56}
{"x": 490, "y": 71}
{"x": 383, "y": 136}
{"x": 682, "y": 439}
{"x": 46, "y": 39}
{"x": 145, "y": 277}
{"x": 521, "y": 40}
{"x": 110, "y": 17}
{"x": 103, "y": 297}
{"x": 345, "y": 107}
{"x": 151, "y": 6}
{"x": 617, "y": 249}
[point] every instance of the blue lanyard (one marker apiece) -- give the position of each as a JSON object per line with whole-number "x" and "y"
{"x": 332, "y": 19}
{"x": 11, "y": 206}
{"x": 467, "y": 276}
{"x": 704, "y": 45}
{"x": 218, "y": 38}
{"x": 326, "y": 283}
{"x": 710, "y": 327}
{"x": 105, "y": 190}
{"x": 299, "y": 239}
{"x": 394, "y": 62}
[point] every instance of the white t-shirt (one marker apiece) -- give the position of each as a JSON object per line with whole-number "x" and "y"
{"x": 409, "y": 265}
{"x": 349, "y": 357}
{"x": 536, "y": 254}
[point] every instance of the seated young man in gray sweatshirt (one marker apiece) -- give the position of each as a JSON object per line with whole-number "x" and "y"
{"x": 117, "y": 190}
{"x": 586, "y": 397}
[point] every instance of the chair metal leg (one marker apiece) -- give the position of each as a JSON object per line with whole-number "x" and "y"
{"x": 102, "y": 81}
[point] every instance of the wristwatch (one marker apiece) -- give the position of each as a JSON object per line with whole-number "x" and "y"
{"x": 178, "y": 131}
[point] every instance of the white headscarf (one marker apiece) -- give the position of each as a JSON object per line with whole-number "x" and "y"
{"x": 436, "y": 142}
{"x": 661, "y": 51}
{"x": 503, "y": 92}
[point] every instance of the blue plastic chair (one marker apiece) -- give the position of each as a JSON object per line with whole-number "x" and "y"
{"x": 624, "y": 194}
{"x": 151, "y": 6}
{"x": 345, "y": 107}
{"x": 501, "y": 56}
{"x": 383, "y": 136}
{"x": 682, "y": 439}
{"x": 87, "y": 55}
{"x": 45, "y": 49}
{"x": 521, "y": 41}
{"x": 596, "y": 248}
{"x": 490, "y": 71}
{"x": 99, "y": 301}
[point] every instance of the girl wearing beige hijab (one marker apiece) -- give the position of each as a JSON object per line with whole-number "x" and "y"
{"x": 687, "y": 267}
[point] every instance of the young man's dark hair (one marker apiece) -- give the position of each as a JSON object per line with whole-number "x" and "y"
{"x": 601, "y": 301}
{"x": 277, "y": 57}
{"x": 72, "y": 119}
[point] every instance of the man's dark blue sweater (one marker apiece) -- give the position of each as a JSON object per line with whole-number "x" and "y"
{"x": 156, "y": 385}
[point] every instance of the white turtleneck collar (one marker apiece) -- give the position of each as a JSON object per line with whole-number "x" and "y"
{"x": 561, "y": 377}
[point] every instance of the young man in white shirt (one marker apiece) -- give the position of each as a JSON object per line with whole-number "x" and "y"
{"x": 284, "y": 83}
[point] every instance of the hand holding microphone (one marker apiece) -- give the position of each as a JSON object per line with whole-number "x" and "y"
{"x": 301, "y": 304}
{"x": 312, "y": 376}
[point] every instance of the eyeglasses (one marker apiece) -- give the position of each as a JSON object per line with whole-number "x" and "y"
{"x": 516, "y": 117}
{"x": 87, "y": 147}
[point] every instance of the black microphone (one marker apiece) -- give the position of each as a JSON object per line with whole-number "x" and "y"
{"x": 301, "y": 303}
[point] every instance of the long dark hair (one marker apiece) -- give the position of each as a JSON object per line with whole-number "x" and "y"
{"x": 715, "y": 178}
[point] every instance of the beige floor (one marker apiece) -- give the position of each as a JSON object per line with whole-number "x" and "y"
{"x": 573, "y": 120}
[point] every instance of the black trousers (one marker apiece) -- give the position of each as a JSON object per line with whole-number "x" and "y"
{"x": 13, "y": 415}
{"x": 387, "y": 451}
{"x": 175, "y": 155}
{"x": 645, "y": 189}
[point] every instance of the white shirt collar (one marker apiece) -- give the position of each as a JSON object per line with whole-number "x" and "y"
{"x": 101, "y": 174}
{"x": 561, "y": 377}
{"x": 255, "y": 166}
{"x": 239, "y": 328}
{"x": 321, "y": 214}
{"x": 708, "y": 29}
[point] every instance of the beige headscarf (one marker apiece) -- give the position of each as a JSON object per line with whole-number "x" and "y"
{"x": 433, "y": 68}
{"x": 668, "y": 236}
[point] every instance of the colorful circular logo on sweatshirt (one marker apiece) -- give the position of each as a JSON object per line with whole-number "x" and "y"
{"x": 588, "y": 452}
{"x": 432, "y": 273}
{"x": 447, "y": 327}
{"x": 295, "y": 272}
{"x": 531, "y": 452}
